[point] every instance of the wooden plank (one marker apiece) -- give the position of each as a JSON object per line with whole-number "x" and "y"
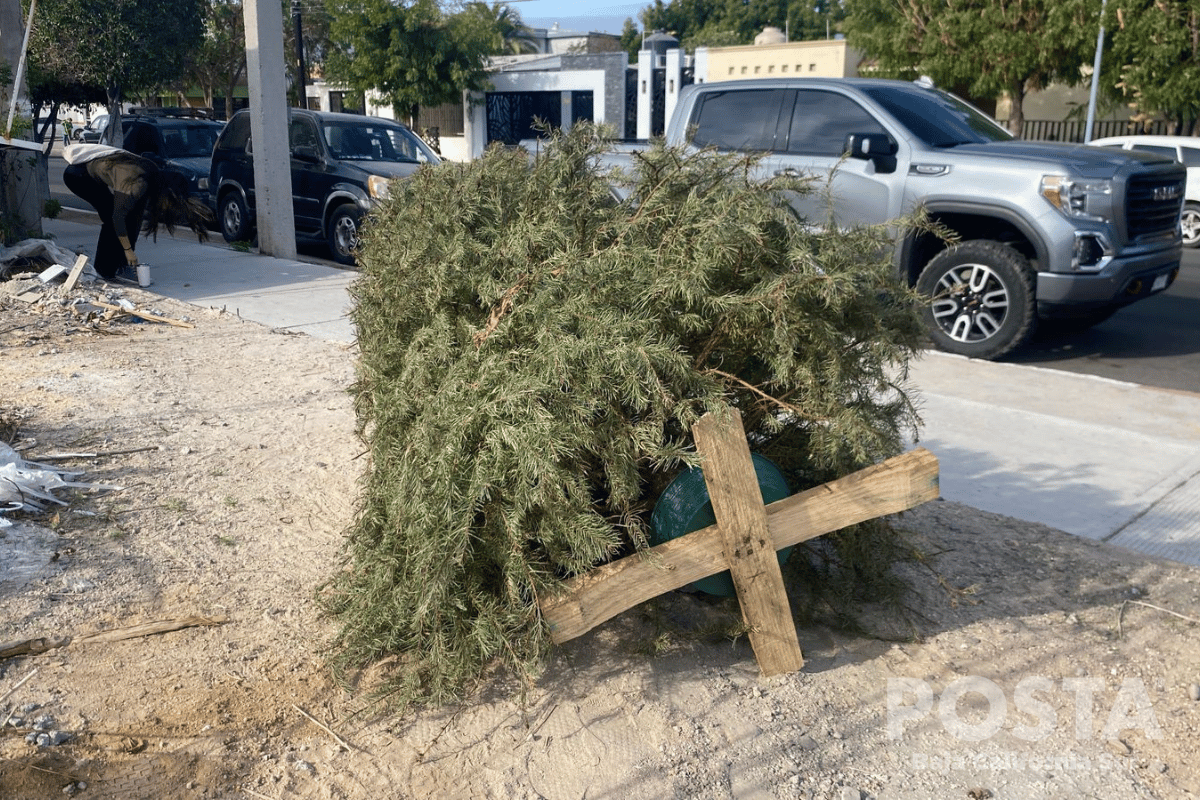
{"x": 742, "y": 519}
{"x": 145, "y": 315}
{"x": 76, "y": 270}
{"x": 895, "y": 485}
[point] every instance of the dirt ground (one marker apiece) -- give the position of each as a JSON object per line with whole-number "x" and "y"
{"x": 1045, "y": 666}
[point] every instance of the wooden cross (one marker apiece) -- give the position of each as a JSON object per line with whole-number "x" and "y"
{"x": 744, "y": 541}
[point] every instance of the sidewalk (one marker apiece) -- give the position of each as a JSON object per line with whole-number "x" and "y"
{"x": 1093, "y": 457}
{"x": 299, "y": 296}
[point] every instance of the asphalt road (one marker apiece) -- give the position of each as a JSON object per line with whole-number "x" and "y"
{"x": 1155, "y": 342}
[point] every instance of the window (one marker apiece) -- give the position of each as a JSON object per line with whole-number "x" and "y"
{"x": 822, "y": 120}
{"x": 1191, "y": 157}
{"x": 1159, "y": 150}
{"x": 237, "y": 134}
{"x": 301, "y": 133}
{"x": 743, "y": 121}
{"x": 937, "y": 118}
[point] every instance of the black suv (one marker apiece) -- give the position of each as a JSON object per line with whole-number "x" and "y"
{"x": 179, "y": 137}
{"x": 341, "y": 166}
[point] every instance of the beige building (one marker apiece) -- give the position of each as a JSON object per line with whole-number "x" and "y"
{"x": 772, "y": 57}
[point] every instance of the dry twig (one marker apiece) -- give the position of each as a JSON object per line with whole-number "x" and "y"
{"x": 8, "y": 716}
{"x": 42, "y": 644}
{"x": 19, "y": 683}
{"x": 103, "y": 454}
{"x": 322, "y": 726}
{"x": 1121, "y": 614}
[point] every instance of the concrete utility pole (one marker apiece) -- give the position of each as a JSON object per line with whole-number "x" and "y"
{"x": 269, "y": 128}
{"x": 25, "y": 187}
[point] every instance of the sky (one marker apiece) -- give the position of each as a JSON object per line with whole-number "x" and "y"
{"x": 600, "y": 16}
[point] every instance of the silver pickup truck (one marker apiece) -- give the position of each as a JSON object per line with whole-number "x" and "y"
{"x": 1044, "y": 230}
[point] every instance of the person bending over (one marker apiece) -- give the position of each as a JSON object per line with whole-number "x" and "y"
{"x": 129, "y": 191}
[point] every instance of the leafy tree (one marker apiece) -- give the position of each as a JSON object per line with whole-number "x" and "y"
{"x": 220, "y": 60}
{"x": 1156, "y": 53}
{"x": 722, "y": 23}
{"x": 503, "y": 25}
{"x": 533, "y": 356}
{"x": 126, "y": 46}
{"x": 983, "y": 47}
{"x": 412, "y": 54}
{"x": 631, "y": 39}
{"x": 48, "y": 93}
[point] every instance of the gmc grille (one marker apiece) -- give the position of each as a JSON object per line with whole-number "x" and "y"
{"x": 1152, "y": 205}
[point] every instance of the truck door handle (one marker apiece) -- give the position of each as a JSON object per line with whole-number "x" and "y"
{"x": 790, "y": 172}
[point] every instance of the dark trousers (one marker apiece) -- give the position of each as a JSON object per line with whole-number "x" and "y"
{"x": 110, "y": 255}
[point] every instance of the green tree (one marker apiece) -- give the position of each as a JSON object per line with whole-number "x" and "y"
{"x": 219, "y": 63}
{"x": 985, "y": 48}
{"x": 411, "y": 54}
{"x": 48, "y": 93}
{"x": 502, "y": 24}
{"x": 631, "y": 39}
{"x": 126, "y": 46}
{"x": 1155, "y": 54}
{"x": 722, "y": 23}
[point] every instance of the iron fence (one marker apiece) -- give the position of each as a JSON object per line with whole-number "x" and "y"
{"x": 1048, "y": 130}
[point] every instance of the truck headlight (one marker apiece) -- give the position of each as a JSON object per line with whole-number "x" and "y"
{"x": 1090, "y": 200}
{"x": 378, "y": 187}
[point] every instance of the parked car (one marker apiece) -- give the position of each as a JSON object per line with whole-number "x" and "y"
{"x": 1185, "y": 150}
{"x": 342, "y": 165}
{"x": 179, "y": 137}
{"x": 90, "y": 133}
{"x": 1044, "y": 230}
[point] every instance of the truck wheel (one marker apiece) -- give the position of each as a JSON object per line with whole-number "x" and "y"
{"x": 343, "y": 234}
{"x": 981, "y": 299}
{"x": 1191, "y": 224}
{"x": 234, "y": 217}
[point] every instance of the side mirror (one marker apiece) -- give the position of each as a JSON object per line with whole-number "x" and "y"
{"x": 870, "y": 146}
{"x": 306, "y": 152}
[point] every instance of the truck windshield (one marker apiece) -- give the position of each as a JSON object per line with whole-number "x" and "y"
{"x": 937, "y": 118}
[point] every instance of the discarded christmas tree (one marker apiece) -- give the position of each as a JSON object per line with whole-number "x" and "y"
{"x": 533, "y": 355}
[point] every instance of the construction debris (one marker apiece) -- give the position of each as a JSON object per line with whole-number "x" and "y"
{"x": 35, "y": 255}
{"x": 28, "y": 486}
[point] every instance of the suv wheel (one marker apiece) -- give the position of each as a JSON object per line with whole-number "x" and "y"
{"x": 234, "y": 217}
{"x": 343, "y": 233}
{"x": 1191, "y": 224}
{"x": 981, "y": 299}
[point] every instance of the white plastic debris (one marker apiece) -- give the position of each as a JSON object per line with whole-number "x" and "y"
{"x": 38, "y": 248}
{"x": 28, "y": 486}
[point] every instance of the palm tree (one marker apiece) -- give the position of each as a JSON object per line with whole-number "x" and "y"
{"x": 512, "y": 37}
